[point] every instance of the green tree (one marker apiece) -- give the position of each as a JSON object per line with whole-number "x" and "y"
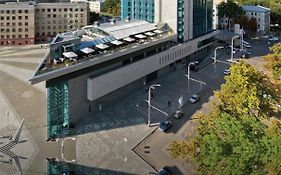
{"x": 229, "y": 10}
{"x": 273, "y": 61}
{"x": 245, "y": 92}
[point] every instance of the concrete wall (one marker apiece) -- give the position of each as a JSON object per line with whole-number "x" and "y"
{"x": 106, "y": 83}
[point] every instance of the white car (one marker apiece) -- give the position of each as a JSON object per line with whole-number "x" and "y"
{"x": 178, "y": 114}
{"x": 194, "y": 98}
{"x": 274, "y": 39}
{"x": 226, "y": 72}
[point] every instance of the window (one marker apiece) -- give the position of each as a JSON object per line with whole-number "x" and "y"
{"x": 25, "y": 36}
{"x": 13, "y": 24}
{"x": 65, "y": 9}
{"x": 8, "y": 11}
{"x": 8, "y": 17}
{"x": 20, "y": 11}
{"x": 26, "y": 17}
{"x": 13, "y": 11}
{"x": 20, "y": 29}
{"x": 2, "y": 36}
{"x": 20, "y": 17}
{"x": 54, "y": 10}
{"x": 26, "y": 42}
{"x": 48, "y": 10}
{"x": 26, "y": 23}
{"x": 26, "y": 29}
{"x": 8, "y": 24}
{"x": 2, "y": 17}
{"x": 20, "y": 24}
{"x": 43, "y": 10}
{"x": 25, "y": 11}
{"x": 13, "y": 36}
{"x": 13, "y": 17}
{"x": 13, "y": 30}
{"x": 20, "y": 36}
{"x": 54, "y": 15}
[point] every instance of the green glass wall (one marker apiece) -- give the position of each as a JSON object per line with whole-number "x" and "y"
{"x": 58, "y": 113}
{"x": 138, "y": 9}
{"x": 202, "y": 17}
{"x": 180, "y": 24}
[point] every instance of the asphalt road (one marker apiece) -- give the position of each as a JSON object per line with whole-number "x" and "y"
{"x": 153, "y": 149}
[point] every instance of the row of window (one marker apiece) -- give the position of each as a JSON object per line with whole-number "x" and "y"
{"x": 57, "y": 27}
{"x": 13, "y": 11}
{"x": 2, "y": 24}
{"x": 60, "y": 10}
{"x": 173, "y": 55}
{"x": 13, "y": 30}
{"x": 13, "y": 36}
{"x": 13, "y": 17}
{"x": 12, "y": 43}
{"x": 60, "y": 15}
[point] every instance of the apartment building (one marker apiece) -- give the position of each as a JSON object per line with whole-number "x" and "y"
{"x": 54, "y": 18}
{"x": 28, "y": 22}
{"x": 261, "y": 15}
{"x": 17, "y": 25}
{"x": 94, "y": 5}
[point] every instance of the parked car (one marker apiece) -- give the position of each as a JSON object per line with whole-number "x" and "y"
{"x": 164, "y": 171}
{"x": 194, "y": 67}
{"x": 249, "y": 52}
{"x": 226, "y": 72}
{"x": 178, "y": 114}
{"x": 164, "y": 126}
{"x": 273, "y": 38}
{"x": 194, "y": 98}
{"x": 244, "y": 55}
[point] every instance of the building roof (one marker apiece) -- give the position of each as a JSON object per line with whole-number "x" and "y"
{"x": 122, "y": 29}
{"x": 257, "y": 8}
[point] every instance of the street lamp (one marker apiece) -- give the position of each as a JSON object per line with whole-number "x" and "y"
{"x": 188, "y": 69}
{"x": 149, "y": 98}
{"x": 62, "y": 150}
{"x": 215, "y": 54}
{"x": 232, "y": 40}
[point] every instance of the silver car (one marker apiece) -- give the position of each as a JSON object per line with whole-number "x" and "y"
{"x": 194, "y": 98}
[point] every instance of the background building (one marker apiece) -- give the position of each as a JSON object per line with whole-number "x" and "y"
{"x": 54, "y": 18}
{"x": 28, "y": 22}
{"x": 261, "y": 15}
{"x": 215, "y": 13}
{"x": 190, "y": 19}
{"x": 94, "y": 5}
{"x": 138, "y": 9}
{"x": 17, "y": 23}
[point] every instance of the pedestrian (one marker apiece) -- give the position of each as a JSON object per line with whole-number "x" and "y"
{"x": 137, "y": 105}
{"x": 169, "y": 103}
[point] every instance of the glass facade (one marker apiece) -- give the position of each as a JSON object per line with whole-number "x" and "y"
{"x": 58, "y": 112}
{"x": 180, "y": 22}
{"x": 138, "y": 9}
{"x": 202, "y": 17}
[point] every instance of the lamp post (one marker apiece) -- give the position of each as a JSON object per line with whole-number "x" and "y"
{"x": 215, "y": 54}
{"x": 62, "y": 150}
{"x": 188, "y": 69}
{"x": 232, "y": 40}
{"x": 149, "y": 98}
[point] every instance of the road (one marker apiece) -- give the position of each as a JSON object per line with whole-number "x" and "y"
{"x": 153, "y": 149}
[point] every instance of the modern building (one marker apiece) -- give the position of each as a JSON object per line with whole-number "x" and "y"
{"x": 138, "y": 9}
{"x": 94, "y": 5}
{"x": 54, "y": 18}
{"x": 28, "y": 22}
{"x": 216, "y": 21}
{"x": 89, "y": 69}
{"x": 261, "y": 15}
{"x": 17, "y": 25}
{"x": 190, "y": 19}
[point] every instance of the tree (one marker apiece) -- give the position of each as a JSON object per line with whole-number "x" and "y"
{"x": 112, "y": 7}
{"x": 245, "y": 92}
{"x": 232, "y": 139}
{"x": 229, "y": 10}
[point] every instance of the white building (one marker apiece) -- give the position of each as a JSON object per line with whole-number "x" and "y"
{"x": 94, "y": 5}
{"x": 261, "y": 15}
{"x": 215, "y": 13}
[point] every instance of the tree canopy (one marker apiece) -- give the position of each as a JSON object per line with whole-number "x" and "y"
{"x": 112, "y": 7}
{"x": 229, "y": 10}
{"x": 234, "y": 137}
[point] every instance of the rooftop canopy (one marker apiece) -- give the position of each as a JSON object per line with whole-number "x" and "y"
{"x": 102, "y": 46}
{"x": 140, "y": 36}
{"x": 149, "y": 33}
{"x": 116, "y": 42}
{"x": 87, "y": 50}
{"x": 69, "y": 54}
{"x": 129, "y": 39}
